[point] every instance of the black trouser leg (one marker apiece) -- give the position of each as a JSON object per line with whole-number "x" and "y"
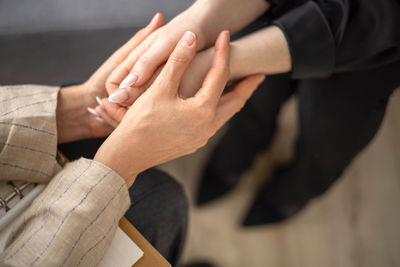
{"x": 159, "y": 211}
{"x": 249, "y": 132}
{"x": 339, "y": 116}
{"x": 252, "y": 129}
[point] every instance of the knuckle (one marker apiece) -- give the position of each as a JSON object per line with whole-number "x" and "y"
{"x": 143, "y": 60}
{"x": 178, "y": 59}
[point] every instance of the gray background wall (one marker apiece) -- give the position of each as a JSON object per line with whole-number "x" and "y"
{"x": 62, "y": 41}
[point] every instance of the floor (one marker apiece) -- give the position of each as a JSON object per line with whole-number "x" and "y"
{"x": 355, "y": 224}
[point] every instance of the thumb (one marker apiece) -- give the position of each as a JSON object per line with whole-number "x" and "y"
{"x": 232, "y": 102}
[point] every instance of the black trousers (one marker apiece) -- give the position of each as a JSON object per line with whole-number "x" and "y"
{"x": 159, "y": 211}
{"x": 159, "y": 207}
{"x": 338, "y": 117}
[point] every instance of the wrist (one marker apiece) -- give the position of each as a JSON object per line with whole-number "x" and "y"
{"x": 212, "y": 17}
{"x": 194, "y": 19}
{"x": 265, "y": 51}
{"x": 113, "y": 153}
{"x": 72, "y": 117}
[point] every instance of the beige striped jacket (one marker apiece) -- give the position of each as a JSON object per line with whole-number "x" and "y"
{"x": 72, "y": 222}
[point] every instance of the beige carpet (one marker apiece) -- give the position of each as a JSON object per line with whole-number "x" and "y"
{"x": 356, "y": 223}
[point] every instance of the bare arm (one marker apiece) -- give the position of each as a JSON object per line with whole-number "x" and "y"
{"x": 206, "y": 18}
{"x": 265, "y": 51}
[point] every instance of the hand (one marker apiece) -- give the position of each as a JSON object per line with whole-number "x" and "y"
{"x": 265, "y": 51}
{"x": 190, "y": 84}
{"x": 141, "y": 64}
{"x": 205, "y": 18}
{"x": 161, "y": 125}
{"x": 74, "y": 122}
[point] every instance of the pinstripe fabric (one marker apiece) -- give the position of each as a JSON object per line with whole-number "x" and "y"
{"x": 27, "y": 120}
{"x": 74, "y": 220}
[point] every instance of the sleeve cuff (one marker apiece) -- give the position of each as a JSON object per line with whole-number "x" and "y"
{"x": 115, "y": 182}
{"x": 310, "y": 40}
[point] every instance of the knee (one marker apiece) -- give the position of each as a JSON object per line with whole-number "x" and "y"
{"x": 161, "y": 193}
{"x": 171, "y": 194}
{"x": 159, "y": 211}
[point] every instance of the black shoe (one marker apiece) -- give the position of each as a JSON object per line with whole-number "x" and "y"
{"x": 233, "y": 155}
{"x": 276, "y": 202}
{"x": 215, "y": 184}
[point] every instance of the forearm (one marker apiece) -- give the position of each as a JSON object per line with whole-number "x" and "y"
{"x": 265, "y": 51}
{"x": 213, "y": 16}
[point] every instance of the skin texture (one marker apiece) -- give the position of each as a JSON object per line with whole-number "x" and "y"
{"x": 74, "y": 122}
{"x": 161, "y": 125}
{"x": 205, "y": 18}
{"x": 265, "y": 51}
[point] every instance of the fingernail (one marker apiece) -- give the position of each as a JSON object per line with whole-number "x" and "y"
{"x": 188, "y": 39}
{"x": 100, "y": 119}
{"x": 129, "y": 80}
{"x": 153, "y": 20}
{"x": 99, "y": 101}
{"x": 92, "y": 111}
{"x": 224, "y": 41}
{"x": 118, "y": 96}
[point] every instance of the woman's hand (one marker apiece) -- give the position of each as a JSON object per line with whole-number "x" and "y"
{"x": 265, "y": 51}
{"x": 74, "y": 121}
{"x": 191, "y": 82}
{"x": 96, "y": 85}
{"x": 205, "y": 18}
{"x": 141, "y": 64}
{"x": 161, "y": 125}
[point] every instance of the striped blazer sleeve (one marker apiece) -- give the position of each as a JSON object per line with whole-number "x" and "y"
{"x": 28, "y": 132}
{"x": 72, "y": 222}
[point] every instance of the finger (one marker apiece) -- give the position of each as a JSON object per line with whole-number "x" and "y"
{"x": 110, "y": 113}
{"x": 121, "y": 78}
{"x": 233, "y": 101}
{"x": 218, "y": 75}
{"x": 145, "y": 66}
{"x": 105, "y": 117}
{"x": 128, "y": 54}
{"x": 129, "y": 96}
{"x": 121, "y": 54}
{"x": 156, "y": 22}
{"x": 115, "y": 111}
{"x": 178, "y": 62}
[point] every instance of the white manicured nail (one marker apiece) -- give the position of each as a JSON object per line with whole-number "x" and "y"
{"x": 118, "y": 96}
{"x": 92, "y": 111}
{"x": 188, "y": 38}
{"x": 99, "y": 101}
{"x": 100, "y": 119}
{"x": 129, "y": 80}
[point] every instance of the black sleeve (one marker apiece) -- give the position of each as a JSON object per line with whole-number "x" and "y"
{"x": 327, "y": 36}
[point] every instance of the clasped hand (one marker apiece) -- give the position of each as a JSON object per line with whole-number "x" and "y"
{"x": 161, "y": 124}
